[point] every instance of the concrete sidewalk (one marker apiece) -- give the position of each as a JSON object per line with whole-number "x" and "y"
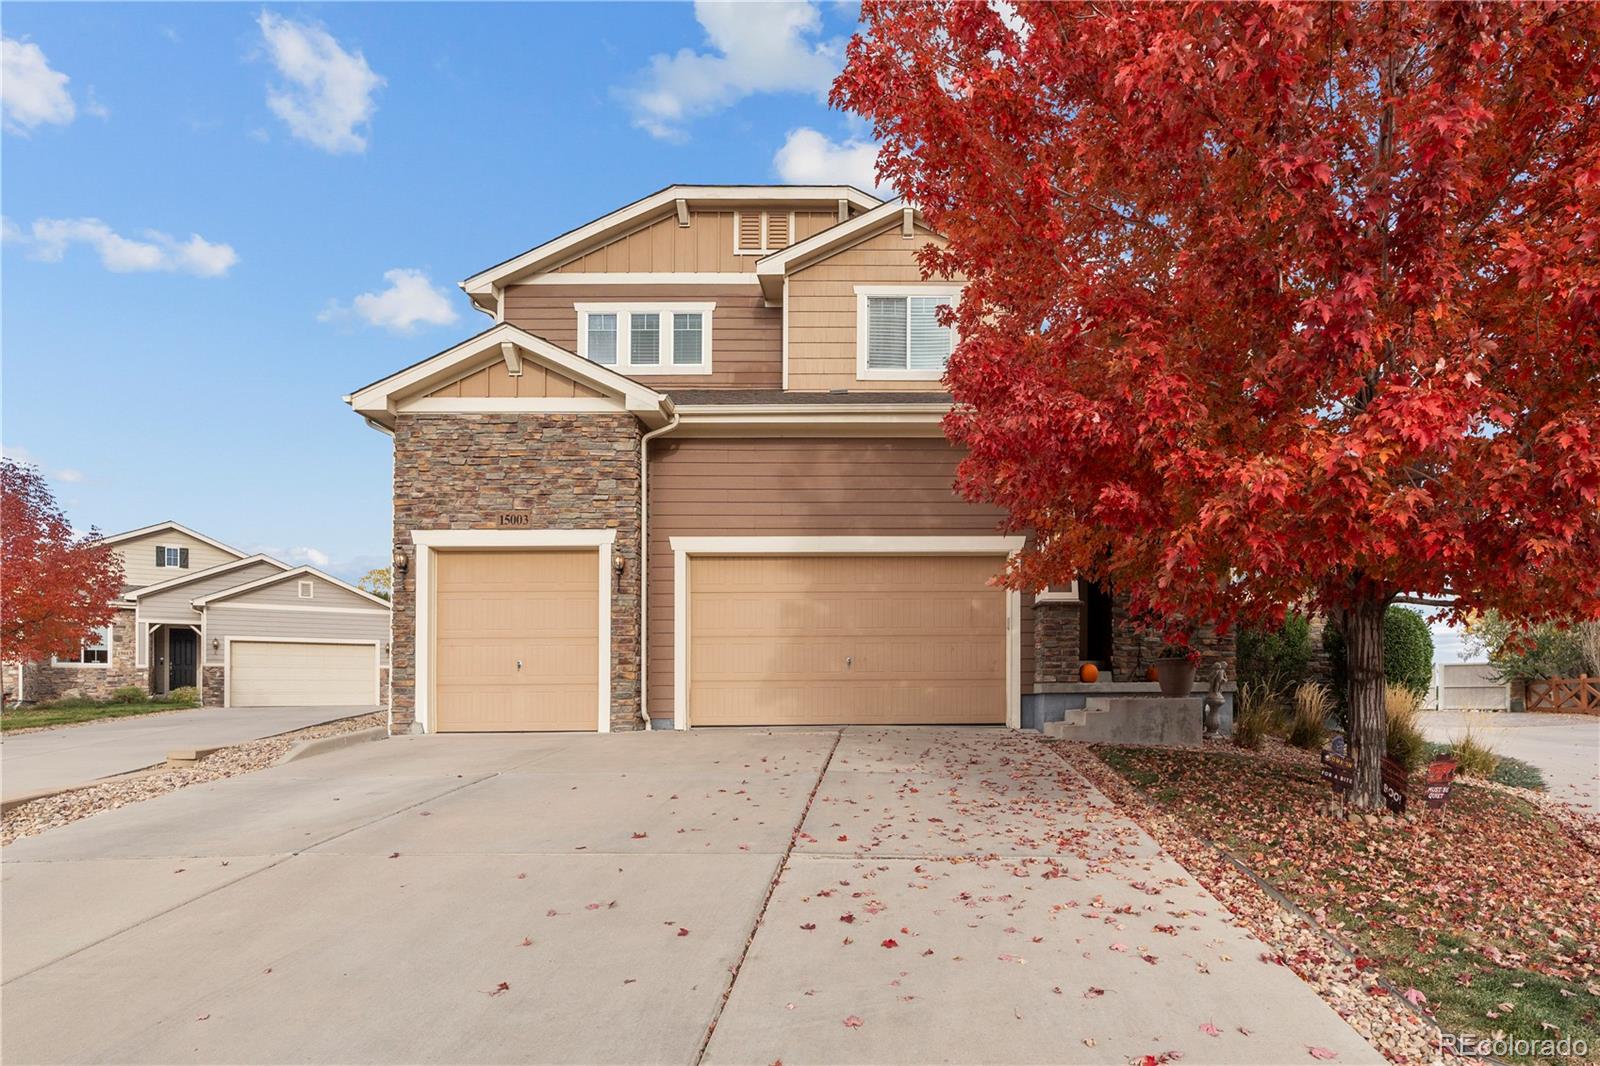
{"x": 582, "y": 898}
{"x": 79, "y": 754}
{"x": 1565, "y": 747}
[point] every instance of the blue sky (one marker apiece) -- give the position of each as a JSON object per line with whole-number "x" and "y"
{"x": 219, "y": 219}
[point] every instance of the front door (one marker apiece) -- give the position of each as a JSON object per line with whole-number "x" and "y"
{"x": 183, "y": 643}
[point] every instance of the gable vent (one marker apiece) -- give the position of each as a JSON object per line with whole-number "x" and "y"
{"x": 762, "y": 232}
{"x": 777, "y": 230}
{"x": 749, "y": 236}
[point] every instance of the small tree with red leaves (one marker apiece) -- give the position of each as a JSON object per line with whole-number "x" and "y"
{"x": 1268, "y": 305}
{"x": 56, "y": 588}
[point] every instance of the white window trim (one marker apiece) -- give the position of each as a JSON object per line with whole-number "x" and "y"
{"x": 1069, "y": 594}
{"x": 683, "y": 548}
{"x": 429, "y": 541}
{"x": 110, "y": 632}
{"x": 764, "y": 249}
{"x": 863, "y": 293}
{"x": 624, "y": 363}
{"x": 305, "y": 590}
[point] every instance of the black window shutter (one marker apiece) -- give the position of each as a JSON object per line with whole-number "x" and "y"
{"x": 161, "y": 556}
{"x": 183, "y": 558}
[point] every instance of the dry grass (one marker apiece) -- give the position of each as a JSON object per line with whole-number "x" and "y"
{"x": 1474, "y": 757}
{"x": 1308, "y": 716}
{"x": 1255, "y": 713}
{"x": 1406, "y": 744}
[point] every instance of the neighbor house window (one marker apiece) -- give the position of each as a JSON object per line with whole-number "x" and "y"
{"x": 305, "y": 590}
{"x": 178, "y": 557}
{"x": 667, "y": 338}
{"x": 96, "y": 651}
{"x": 899, "y": 334}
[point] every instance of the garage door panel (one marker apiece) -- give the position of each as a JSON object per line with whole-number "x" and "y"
{"x": 496, "y": 608}
{"x": 280, "y": 674}
{"x": 860, "y": 639}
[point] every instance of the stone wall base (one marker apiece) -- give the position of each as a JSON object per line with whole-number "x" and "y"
{"x": 211, "y": 686}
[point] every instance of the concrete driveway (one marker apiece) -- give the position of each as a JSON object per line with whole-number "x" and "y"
{"x": 830, "y": 896}
{"x": 1566, "y": 747}
{"x": 76, "y": 755}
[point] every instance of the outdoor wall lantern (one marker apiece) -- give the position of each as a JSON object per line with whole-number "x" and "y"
{"x": 619, "y": 564}
{"x": 400, "y": 561}
{"x": 215, "y": 644}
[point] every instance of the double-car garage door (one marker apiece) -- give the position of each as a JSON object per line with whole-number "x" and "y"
{"x": 772, "y": 640}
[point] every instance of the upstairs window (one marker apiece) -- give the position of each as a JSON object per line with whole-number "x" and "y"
{"x": 657, "y": 338}
{"x": 178, "y": 557}
{"x": 898, "y": 333}
{"x": 96, "y": 651}
{"x": 762, "y": 232}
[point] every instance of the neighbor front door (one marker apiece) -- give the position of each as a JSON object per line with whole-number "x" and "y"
{"x": 181, "y": 658}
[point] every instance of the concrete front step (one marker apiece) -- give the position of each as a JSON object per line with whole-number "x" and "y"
{"x": 1132, "y": 720}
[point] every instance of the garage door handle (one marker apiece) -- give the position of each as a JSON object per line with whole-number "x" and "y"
{"x": 519, "y": 664}
{"x": 849, "y": 661}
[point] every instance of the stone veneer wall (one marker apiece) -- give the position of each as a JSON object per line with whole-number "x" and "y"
{"x": 566, "y": 471}
{"x": 41, "y": 681}
{"x": 1056, "y": 644}
{"x": 1132, "y": 652}
{"x": 211, "y": 683}
{"x": 1055, "y": 641}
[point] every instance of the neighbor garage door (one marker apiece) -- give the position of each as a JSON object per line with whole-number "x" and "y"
{"x": 879, "y": 639}
{"x": 516, "y": 644}
{"x": 273, "y": 674}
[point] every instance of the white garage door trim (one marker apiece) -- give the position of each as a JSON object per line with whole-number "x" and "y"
{"x": 685, "y": 547}
{"x": 428, "y": 541}
{"x": 227, "y": 659}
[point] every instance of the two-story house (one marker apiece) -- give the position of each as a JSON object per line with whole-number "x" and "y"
{"x": 693, "y": 474}
{"x": 245, "y": 630}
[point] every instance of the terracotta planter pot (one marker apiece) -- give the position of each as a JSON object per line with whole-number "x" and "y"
{"x": 1175, "y": 676}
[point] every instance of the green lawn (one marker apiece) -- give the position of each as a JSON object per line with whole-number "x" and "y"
{"x": 1487, "y": 908}
{"x": 68, "y": 713}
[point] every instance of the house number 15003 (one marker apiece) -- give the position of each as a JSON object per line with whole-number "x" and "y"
{"x": 511, "y": 520}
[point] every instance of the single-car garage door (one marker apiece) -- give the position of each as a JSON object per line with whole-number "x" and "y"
{"x": 863, "y": 639}
{"x": 516, "y": 644}
{"x": 283, "y": 674}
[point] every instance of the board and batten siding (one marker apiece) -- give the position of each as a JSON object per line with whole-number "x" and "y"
{"x": 746, "y": 335}
{"x": 139, "y": 558}
{"x": 244, "y": 623}
{"x": 822, "y": 311}
{"x": 901, "y": 487}
{"x": 705, "y": 246}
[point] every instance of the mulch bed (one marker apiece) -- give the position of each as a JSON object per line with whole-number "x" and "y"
{"x": 1483, "y": 918}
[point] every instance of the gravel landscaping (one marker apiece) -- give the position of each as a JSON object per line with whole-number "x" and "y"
{"x": 37, "y": 816}
{"x": 1482, "y": 920}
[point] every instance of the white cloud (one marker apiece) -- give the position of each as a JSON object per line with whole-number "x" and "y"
{"x": 810, "y": 158}
{"x": 69, "y": 475}
{"x": 17, "y": 453}
{"x": 765, "y": 48}
{"x": 410, "y": 300}
{"x": 51, "y": 237}
{"x": 306, "y": 556}
{"x": 31, "y": 92}
{"x": 327, "y": 100}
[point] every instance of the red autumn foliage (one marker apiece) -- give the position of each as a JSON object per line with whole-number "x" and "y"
{"x": 1267, "y": 305}
{"x": 58, "y": 587}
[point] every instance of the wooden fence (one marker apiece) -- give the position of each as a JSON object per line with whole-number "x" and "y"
{"x": 1565, "y": 695}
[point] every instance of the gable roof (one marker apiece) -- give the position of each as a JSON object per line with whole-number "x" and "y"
{"x": 377, "y": 401}
{"x": 210, "y": 571}
{"x": 161, "y": 527}
{"x": 297, "y": 572}
{"x": 481, "y": 285}
{"x": 771, "y": 269}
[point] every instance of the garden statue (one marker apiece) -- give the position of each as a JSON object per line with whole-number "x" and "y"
{"x": 1211, "y": 719}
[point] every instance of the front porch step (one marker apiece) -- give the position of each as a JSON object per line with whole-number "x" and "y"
{"x": 1132, "y": 720}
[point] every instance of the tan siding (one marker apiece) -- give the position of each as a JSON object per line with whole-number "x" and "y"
{"x": 746, "y": 336}
{"x": 139, "y": 558}
{"x": 822, "y": 312}
{"x": 242, "y": 623}
{"x": 535, "y": 380}
{"x": 286, "y": 593}
{"x": 704, "y": 246}
{"x": 173, "y": 603}
{"x": 797, "y": 487}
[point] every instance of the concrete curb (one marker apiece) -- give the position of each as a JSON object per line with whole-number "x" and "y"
{"x": 321, "y": 745}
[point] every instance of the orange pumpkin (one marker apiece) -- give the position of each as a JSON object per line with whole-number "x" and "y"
{"x": 1150, "y": 674}
{"x": 1088, "y": 673}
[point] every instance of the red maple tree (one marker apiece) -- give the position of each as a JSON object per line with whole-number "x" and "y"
{"x": 1267, "y": 305}
{"x": 56, "y": 588}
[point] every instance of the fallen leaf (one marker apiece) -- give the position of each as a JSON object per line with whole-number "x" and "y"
{"x": 1321, "y": 1052}
{"x": 1094, "y": 993}
{"x": 683, "y": 932}
{"x": 500, "y": 989}
{"x": 394, "y": 855}
{"x": 1414, "y": 997}
{"x": 808, "y": 926}
{"x": 891, "y": 943}
{"x": 1210, "y": 1030}
{"x": 202, "y": 1017}
{"x": 852, "y": 1022}
{"x": 847, "y": 918}
{"x": 526, "y": 943}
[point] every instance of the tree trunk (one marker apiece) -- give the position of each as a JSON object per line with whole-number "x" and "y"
{"x": 1369, "y": 722}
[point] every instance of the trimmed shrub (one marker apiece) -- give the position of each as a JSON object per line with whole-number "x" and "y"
{"x": 1308, "y": 718}
{"x": 1407, "y": 654}
{"x": 187, "y": 694}
{"x": 1280, "y": 657}
{"x": 129, "y": 694}
{"x": 1475, "y": 758}
{"x": 1254, "y": 712}
{"x": 1406, "y": 744}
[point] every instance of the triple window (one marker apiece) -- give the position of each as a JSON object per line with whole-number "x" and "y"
{"x": 899, "y": 335}
{"x": 647, "y": 338}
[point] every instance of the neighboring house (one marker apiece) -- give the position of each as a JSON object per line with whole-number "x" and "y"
{"x": 247, "y": 630}
{"x": 1468, "y": 687}
{"x": 695, "y": 470}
